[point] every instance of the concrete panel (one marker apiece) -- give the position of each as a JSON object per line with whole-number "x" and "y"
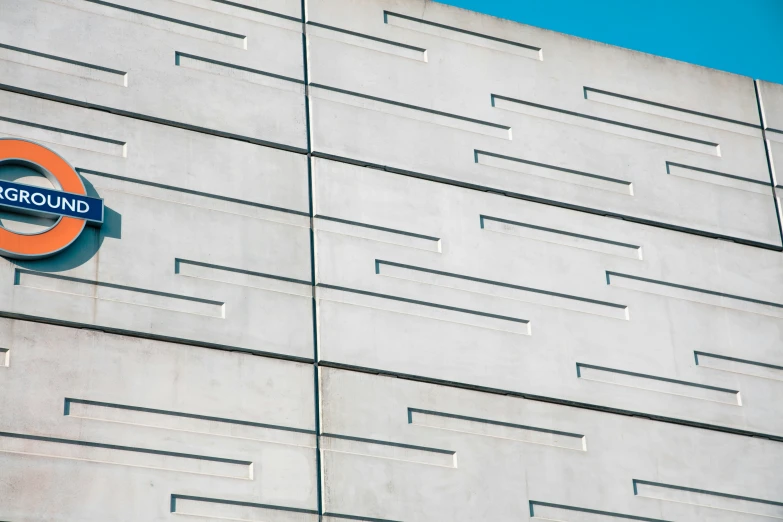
{"x": 96, "y": 426}
{"x": 511, "y": 462}
{"x": 772, "y": 104}
{"x": 682, "y": 148}
{"x": 545, "y": 301}
{"x": 771, "y": 95}
{"x": 212, "y": 259}
{"x": 158, "y": 155}
{"x": 216, "y": 66}
{"x": 454, "y": 227}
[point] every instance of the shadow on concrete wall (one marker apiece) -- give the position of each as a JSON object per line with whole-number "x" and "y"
{"x": 86, "y": 245}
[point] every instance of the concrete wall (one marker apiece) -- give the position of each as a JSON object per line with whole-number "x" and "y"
{"x": 400, "y": 262}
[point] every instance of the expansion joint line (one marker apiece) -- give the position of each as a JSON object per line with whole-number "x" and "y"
{"x": 314, "y": 307}
{"x": 763, "y": 122}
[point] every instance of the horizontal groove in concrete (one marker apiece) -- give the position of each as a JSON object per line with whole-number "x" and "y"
{"x": 606, "y": 125}
{"x": 429, "y": 309}
{"x": 238, "y": 72}
{"x": 166, "y": 23}
{"x": 366, "y": 41}
{"x": 392, "y": 236}
{"x": 241, "y": 277}
{"x": 544, "y": 201}
{"x": 496, "y": 429}
{"x": 388, "y": 450}
{"x": 188, "y": 422}
{"x": 553, "y": 172}
{"x": 407, "y": 110}
{"x": 41, "y": 446}
{"x": 241, "y": 7}
{"x": 59, "y": 136}
{"x": 550, "y": 511}
{"x": 551, "y": 400}
{"x": 462, "y": 35}
{"x": 694, "y": 294}
{"x": 393, "y": 170}
{"x": 500, "y": 289}
{"x": 63, "y": 65}
{"x": 719, "y": 178}
{"x": 709, "y": 499}
{"x": 226, "y": 509}
{"x": 560, "y": 237}
{"x": 657, "y": 384}
{"x": 411, "y": 377}
{"x": 152, "y": 336}
{"x": 736, "y": 365}
{"x": 671, "y": 111}
{"x": 119, "y": 293}
{"x": 197, "y": 193}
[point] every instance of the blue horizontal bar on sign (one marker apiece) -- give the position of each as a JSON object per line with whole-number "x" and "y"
{"x": 29, "y": 199}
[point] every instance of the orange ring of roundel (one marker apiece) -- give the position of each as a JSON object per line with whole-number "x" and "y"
{"x": 68, "y": 228}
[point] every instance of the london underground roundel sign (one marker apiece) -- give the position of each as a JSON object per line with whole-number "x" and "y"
{"x": 68, "y": 202}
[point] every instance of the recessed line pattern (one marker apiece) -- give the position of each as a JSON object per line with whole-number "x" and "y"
{"x": 670, "y": 164}
{"x": 176, "y": 497}
{"x": 189, "y": 191}
{"x": 376, "y": 227}
{"x": 496, "y": 429}
{"x": 545, "y": 510}
{"x": 556, "y": 231}
{"x": 657, "y": 384}
{"x": 353, "y": 161}
{"x": 138, "y": 334}
{"x": 155, "y": 411}
{"x": 63, "y": 131}
{"x": 387, "y": 443}
{"x": 148, "y": 118}
{"x": 258, "y": 10}
{"x": 545, "y": 201}
{"x": 550, "y": 400}
{"x": 719, "y": 178}
{"x": 387, "y": 14}
{"x": 412, "y": 107}
{"x": 735, "y": 359}
{"x": 425, "y": 303}
{"x": 708, "y": 499}
{"x": 353, "y": 517}
{"x": 696, "y": 294}
{"x": 412, "y": 411}
{"x": 602, "y": 120}
{"x": 366, "y": 36}
{"x": 341, "y": 516}
{"x": 167, "y": 19}
{"x": 380, "y": 262}
{"x": 122, "y": 448}
{"x": 737, "y": 365}
{"x": 581, "y": 366}
{"x": 178, "y": 55}
{"x": 477, "y": 155}
{"x": 62, "y": 59}
{"x": 178, "y": 263}
{"x": 670, "y": 107}
{"x": 19, "y": 272}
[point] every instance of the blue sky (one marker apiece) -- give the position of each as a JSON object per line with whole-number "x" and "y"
{"x": 740, "y": 36}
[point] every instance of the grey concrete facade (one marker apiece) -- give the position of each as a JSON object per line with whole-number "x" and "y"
{"x": 387, "y": 260}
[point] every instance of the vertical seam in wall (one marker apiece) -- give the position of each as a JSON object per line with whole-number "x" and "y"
{"x": 311, "y": 209}
{"x": 769, "y": 156}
